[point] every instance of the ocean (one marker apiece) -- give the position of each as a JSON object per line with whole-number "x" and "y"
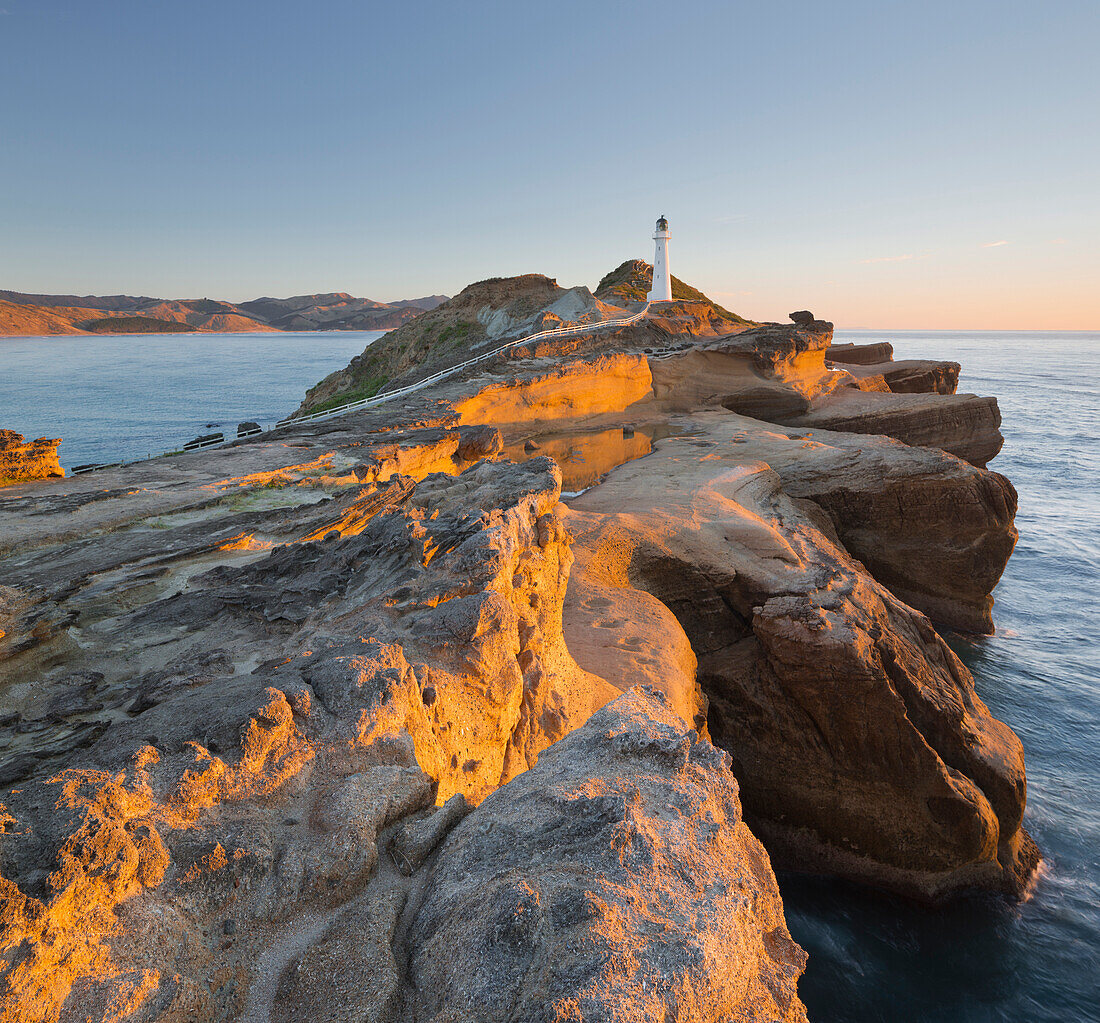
{"x": 873, "y": 957}
{"x": 121, "y": 397}
{"x": 883, "y": 959}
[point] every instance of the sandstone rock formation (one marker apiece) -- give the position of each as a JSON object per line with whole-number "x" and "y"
{"x": 616, "y": 880}
{"x": 27, "y": 460}
{"x": 769, "y": 372}
{"x": 910, "y": 376}
{"x": 251, "y": 694}
{"x": 809, "y": 665}
{"x": 861, "y": 355}
{"x": 963, "y": 424}
{"x": 933, "y": 529}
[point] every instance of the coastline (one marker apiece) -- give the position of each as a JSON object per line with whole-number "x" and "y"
{"x": 286, "y": 542}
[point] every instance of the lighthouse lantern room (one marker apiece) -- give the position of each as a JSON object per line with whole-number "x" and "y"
{"x": 661, "y": 290}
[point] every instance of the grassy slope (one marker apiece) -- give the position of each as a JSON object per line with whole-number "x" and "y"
{"x": 631, "y": 281}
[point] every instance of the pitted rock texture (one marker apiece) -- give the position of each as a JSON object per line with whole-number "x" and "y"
{"x": 27, "y": 460}
{"x": 262, "y": 684}
{"x": 768, "y": 372}
{"x": 615, "y": 880}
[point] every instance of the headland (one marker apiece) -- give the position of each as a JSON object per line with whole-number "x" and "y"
{"x": 501, "y": 700}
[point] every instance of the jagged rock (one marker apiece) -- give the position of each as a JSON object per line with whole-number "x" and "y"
{"x": 771, "y": 371}
{"x": 615, "y": 879}
{"x": 27, "y": 460}
{"x": 808, "y": 664}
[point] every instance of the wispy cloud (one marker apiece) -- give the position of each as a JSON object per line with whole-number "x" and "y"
{"x": 994, "y": 245}
{"x": 1059, "y": 241}
{"x": 732, "y": 218}
{"x": 888, "y": 259}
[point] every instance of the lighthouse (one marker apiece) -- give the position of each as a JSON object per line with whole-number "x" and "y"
{"x": 662, "y": 279}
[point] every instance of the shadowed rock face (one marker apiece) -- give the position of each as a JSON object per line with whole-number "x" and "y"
{"x": 615, "y": 880}
{"x": 912, "y": 376}
{"x": 933, "y": 529}
{"x": 860, "y": 743}
{"x": 27, "y": 460}
{"x": 962, "y": 424}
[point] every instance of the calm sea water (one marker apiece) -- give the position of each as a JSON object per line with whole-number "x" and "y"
{"x": 114, "y": 398}
{"x": 872, "y": 957}
{"x": 876, "y": 958}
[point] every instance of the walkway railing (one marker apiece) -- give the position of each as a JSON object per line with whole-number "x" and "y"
{"x": 215, "y": 441}
{"x": 400, "y": 392}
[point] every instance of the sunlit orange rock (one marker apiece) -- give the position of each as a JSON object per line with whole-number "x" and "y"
{"x": 27, "y": 460}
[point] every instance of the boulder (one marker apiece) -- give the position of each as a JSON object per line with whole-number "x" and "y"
{"x": 614, "y": 880}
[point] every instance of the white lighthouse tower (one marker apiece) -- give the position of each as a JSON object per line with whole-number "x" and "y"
{"x": 662, "y": 279}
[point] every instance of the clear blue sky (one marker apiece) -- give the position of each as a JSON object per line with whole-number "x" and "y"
{"x": 883, "y": 163}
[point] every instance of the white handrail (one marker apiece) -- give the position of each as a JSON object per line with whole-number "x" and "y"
{"x": 378, "y": 399}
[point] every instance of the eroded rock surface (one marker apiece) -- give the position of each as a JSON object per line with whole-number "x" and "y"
{"x": 963, "y": 424}
{"x": 935, "y": 530}
{"x": 861, "y": 745}
{"x": 615, "y": 880}
{"x": 232, "y": 677}
{"x": 27, "y": 460}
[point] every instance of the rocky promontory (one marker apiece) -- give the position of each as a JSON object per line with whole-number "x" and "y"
{"x": 499, "y": 701}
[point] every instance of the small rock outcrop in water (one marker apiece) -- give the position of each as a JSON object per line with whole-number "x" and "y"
{"x": 239, "y": 679}
{"x": 27, "y": 460}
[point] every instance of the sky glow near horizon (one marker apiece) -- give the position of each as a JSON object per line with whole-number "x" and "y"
{"x": 884, "y": 164}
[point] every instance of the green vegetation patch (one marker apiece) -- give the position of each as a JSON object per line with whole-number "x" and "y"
{"x": 631, "y": 281}
{"x": 368, "y": 389}
{"x": 135, "y": 325}
{"x": 454, "y": 334}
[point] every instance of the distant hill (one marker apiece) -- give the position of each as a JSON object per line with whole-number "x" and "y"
{"x": 26, "y": 314}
